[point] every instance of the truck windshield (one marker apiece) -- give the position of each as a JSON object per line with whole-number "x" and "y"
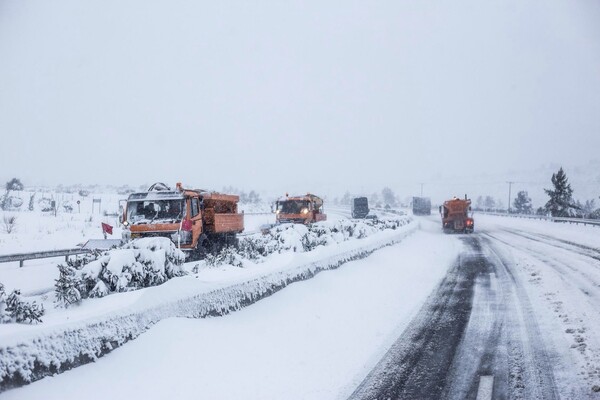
{"x": 292, "y": 206}
{"x": 153, "y": 211}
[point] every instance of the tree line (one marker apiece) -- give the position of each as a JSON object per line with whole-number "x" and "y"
{"x": 561, "y": 202}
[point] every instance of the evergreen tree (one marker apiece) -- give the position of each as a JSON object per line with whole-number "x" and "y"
{"x": 522, "y": 203}
{"x": 389, "y": 198}
{"x": 253, "y": 197}
{"x": 14, "y": 184}
{"x": 541, "y": 211}
{"x": 346, "y": 199}
{"x": 479, "y": 205}
{"x": 66, "y": 286}
{"x": 489, "y": 203}
{"x": 561, "y": 196}
{"x": 588, "y": 208}
{"x": 374, "y": 198}
{"x": 3, "y": 316}
{"x": 21, "y": 311}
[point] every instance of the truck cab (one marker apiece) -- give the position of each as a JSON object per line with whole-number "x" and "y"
{"x": 299, "y": 209}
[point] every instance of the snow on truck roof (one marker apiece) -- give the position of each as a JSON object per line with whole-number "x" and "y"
{"x": 160, "y": 191}
{"x": 158, "y": 195}
{"x": 307, "y": 197}
{"x": 177, "y": 195}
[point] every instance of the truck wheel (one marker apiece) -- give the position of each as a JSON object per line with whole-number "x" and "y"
{"x": 199, "y": 253}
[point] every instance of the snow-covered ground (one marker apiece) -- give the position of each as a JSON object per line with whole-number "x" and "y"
{"x": 319, "y": 338}
{"x": 37, "y": 230}
{"x": 316, "y": 339}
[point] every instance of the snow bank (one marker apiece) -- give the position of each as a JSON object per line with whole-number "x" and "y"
{"x": 30, "y": 354}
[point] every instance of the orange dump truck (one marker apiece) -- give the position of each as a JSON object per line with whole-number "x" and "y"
{"x": 195, "y": 220}
{"x": 455, "y": 216}
{"x": 300, "y": 209}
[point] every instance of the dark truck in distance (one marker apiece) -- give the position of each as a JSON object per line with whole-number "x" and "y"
{"x": 421, "y": 206}
{"x": 360, "y": 207}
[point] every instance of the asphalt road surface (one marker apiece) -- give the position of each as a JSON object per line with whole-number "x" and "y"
{"x": 476, "y": 337}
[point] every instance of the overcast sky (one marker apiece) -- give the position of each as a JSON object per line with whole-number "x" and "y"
{"x": 302, "y": 96}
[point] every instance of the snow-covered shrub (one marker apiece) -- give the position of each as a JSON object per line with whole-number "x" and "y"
{"x": 67, "y": 286}
{"x": 228, "y": 255}
{"x": 13, "y": 203}
{"x": 4, "y": 318}
{"x": 9, "y": 223}
{"x": 140, "y": 263}
{"x": 99, "y": 290}
{"x": 45, "y": 204}
{"x": 67, "y": 206}
{"x": 21, "y": 311}
{"x": 300, "y": 238}
{"x": 161, "y": 253}
{"x": 31, "y": 202}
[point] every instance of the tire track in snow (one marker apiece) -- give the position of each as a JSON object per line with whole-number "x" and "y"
{"x": 478, "y": 322}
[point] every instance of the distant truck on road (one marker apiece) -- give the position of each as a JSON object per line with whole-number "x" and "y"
{"x": 195, "y": 220}
{"x": 455, "y": 216}
{"x": 360, "y": 207}
{"x": 299, "y": 209}
{"x": 421, "y": 206}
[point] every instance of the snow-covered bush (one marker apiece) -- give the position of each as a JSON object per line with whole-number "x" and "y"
{"x": 67, "y": 286}
{"x": 229, "y": 255}
{"x": 9, "y": 223}
{"x": 12, "y": 203}
{"x": 140, "y": 263}
{"x": 14, "y": 309}
{"x": 300, "y": 238}
{"x": 4, "y": 318}
{"x": 45, "y": 204}
{"x": 31, "y": 202}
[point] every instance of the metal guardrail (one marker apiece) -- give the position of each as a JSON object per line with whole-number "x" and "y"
{"x": 594, "y": 222}
{"x": 22, "y": 257}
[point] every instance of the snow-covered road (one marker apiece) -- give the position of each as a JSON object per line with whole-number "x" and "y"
{"x": 517, "y": 312}
{"x": 513, "y": 309}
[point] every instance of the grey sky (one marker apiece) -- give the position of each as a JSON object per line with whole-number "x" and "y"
{"x": 318, "y": 96}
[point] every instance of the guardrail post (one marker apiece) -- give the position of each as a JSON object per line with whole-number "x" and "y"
{"x": 21, "y": 263}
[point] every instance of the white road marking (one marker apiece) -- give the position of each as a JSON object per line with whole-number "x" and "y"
{"x": 486, "y": 387}
{"x": 493, "y": 281}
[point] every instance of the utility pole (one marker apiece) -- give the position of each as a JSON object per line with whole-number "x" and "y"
{"x": 509, "y": 192}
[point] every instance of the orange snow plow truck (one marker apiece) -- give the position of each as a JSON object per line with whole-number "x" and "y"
{"x": 455, "y": 216}
{"x": 195, "y": 220}
{"x": 299, "y": 209}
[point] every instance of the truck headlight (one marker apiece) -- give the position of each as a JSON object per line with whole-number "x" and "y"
{"x": 305, "y": 211}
